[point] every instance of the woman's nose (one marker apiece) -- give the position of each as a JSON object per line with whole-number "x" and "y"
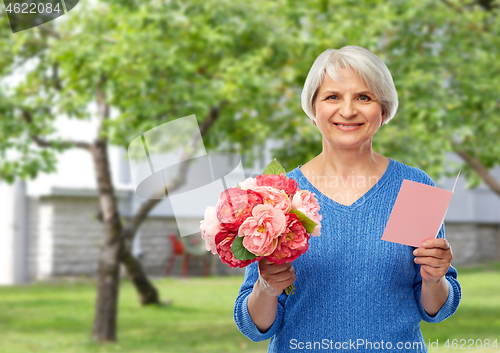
{"x": 348, "y": 109}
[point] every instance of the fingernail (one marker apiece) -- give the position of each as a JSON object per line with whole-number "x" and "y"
{"x": 415, "y": 252}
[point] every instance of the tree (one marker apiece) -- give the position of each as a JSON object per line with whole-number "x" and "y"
{"x": 226, "y": 62}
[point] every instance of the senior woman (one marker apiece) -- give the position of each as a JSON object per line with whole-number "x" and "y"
{"x": 354, "y": 291}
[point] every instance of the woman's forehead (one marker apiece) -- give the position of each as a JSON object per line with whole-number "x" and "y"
{"x": 348, "y": 80}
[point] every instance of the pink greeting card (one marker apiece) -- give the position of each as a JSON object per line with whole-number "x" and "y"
{"x": 417, "y": 214}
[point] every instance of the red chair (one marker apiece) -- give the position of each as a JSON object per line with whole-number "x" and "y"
{"x": 181, "y": 247}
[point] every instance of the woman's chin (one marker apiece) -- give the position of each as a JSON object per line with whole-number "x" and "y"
{"x": 346, "y": 142}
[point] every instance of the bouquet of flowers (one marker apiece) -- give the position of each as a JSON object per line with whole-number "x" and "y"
{"x": 267, "y": 216}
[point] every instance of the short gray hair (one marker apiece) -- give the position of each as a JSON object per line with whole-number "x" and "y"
{"x": 368, "y": 65}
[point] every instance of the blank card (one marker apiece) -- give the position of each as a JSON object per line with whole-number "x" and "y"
{"x": 417, "y": 214}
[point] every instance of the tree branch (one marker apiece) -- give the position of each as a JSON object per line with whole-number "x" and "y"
{"x": 55, "y": 76}
{"x": 174, "y": 183}
{"x": 48, "y": 30}
{"x": 102, "y": 108}
{"x": 453, "y": 6}
{"x": 480, "y": 170}
{"x": 41, "y": 142}
{"x": 213, "y": 115}
{"x": 487, "y": 5}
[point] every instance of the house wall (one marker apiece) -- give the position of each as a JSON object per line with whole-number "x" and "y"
{"x": 13, "y": 233}
{"x": 64, "y": 236}
{"x": 473, "y": 243}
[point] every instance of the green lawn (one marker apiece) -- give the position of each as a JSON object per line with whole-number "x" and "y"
{"x": 57, "y": 317}
{"x": 477, "y": 317}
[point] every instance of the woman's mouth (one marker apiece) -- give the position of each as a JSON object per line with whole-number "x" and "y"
{"x": 348, "y": 127}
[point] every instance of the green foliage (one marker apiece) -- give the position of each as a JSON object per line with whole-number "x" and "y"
{"x": 443, "y": 61}
{"x": 155, "y": 62}
{"x": 159, "y": 61}
{"x": 274, "y": 168}
{"x": 308, "y": 224}
{"x": 239, "y": 251}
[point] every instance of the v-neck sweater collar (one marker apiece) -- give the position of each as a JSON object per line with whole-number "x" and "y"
{"x": 299, "y": 176}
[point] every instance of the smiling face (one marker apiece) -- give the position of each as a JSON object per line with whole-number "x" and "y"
{"x": 347, "y": 113}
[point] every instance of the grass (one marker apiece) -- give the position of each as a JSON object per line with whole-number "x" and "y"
{"x": 477, "y": 317}
{"x": 57, "y": 317}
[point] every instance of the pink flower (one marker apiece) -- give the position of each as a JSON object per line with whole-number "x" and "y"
{"x": 224, "y": 240}
{"x": 274, "y": 197}
{"x": 249, "y": 183}
{"x": 292, "y": 243}
{"x": 209, "y": 228}
{"x": 279, "y": 182}
{"x": 305, "y": 202}
{"x": 261, "y": 231}
{"x": 234, "y": 206}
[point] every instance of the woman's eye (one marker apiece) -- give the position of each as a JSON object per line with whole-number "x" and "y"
{"x": 364, "y": 98}
{"x": 332, "y": 97}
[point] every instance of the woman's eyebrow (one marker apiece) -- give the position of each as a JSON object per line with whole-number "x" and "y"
{"x": 356, "y": 94}
{"x": 330, "y": 93}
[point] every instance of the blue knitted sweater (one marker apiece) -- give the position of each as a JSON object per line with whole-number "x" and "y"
{"x": 354, "y": 291}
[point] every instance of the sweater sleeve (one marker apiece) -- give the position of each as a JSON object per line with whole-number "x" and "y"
{"x": 241, "y": 316}
{"x": 454, "y": 292}
{"x": 454, "y": 289}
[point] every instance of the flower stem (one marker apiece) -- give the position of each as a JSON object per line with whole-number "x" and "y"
{"x": 289, "y": 289}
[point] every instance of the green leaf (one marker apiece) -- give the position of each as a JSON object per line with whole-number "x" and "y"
{"x": 237, "y": 185}
{"x": 239, "y": 251}
{"x": 308, "y": 224}
{"x": 274, "y": 168}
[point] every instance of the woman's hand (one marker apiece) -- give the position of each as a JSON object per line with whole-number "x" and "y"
{"x": 263, "y": 301}
{"x": 434, "y": 258}
{"x": 273, "y": 279}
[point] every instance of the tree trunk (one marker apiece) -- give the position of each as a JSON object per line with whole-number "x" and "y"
{"x": 145, "y": 289}
{"x": 147, "y": 293}
{"x": 117, "y": 242}
{"x": 481, "y": 170}
{"x": 111, "y": 250}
